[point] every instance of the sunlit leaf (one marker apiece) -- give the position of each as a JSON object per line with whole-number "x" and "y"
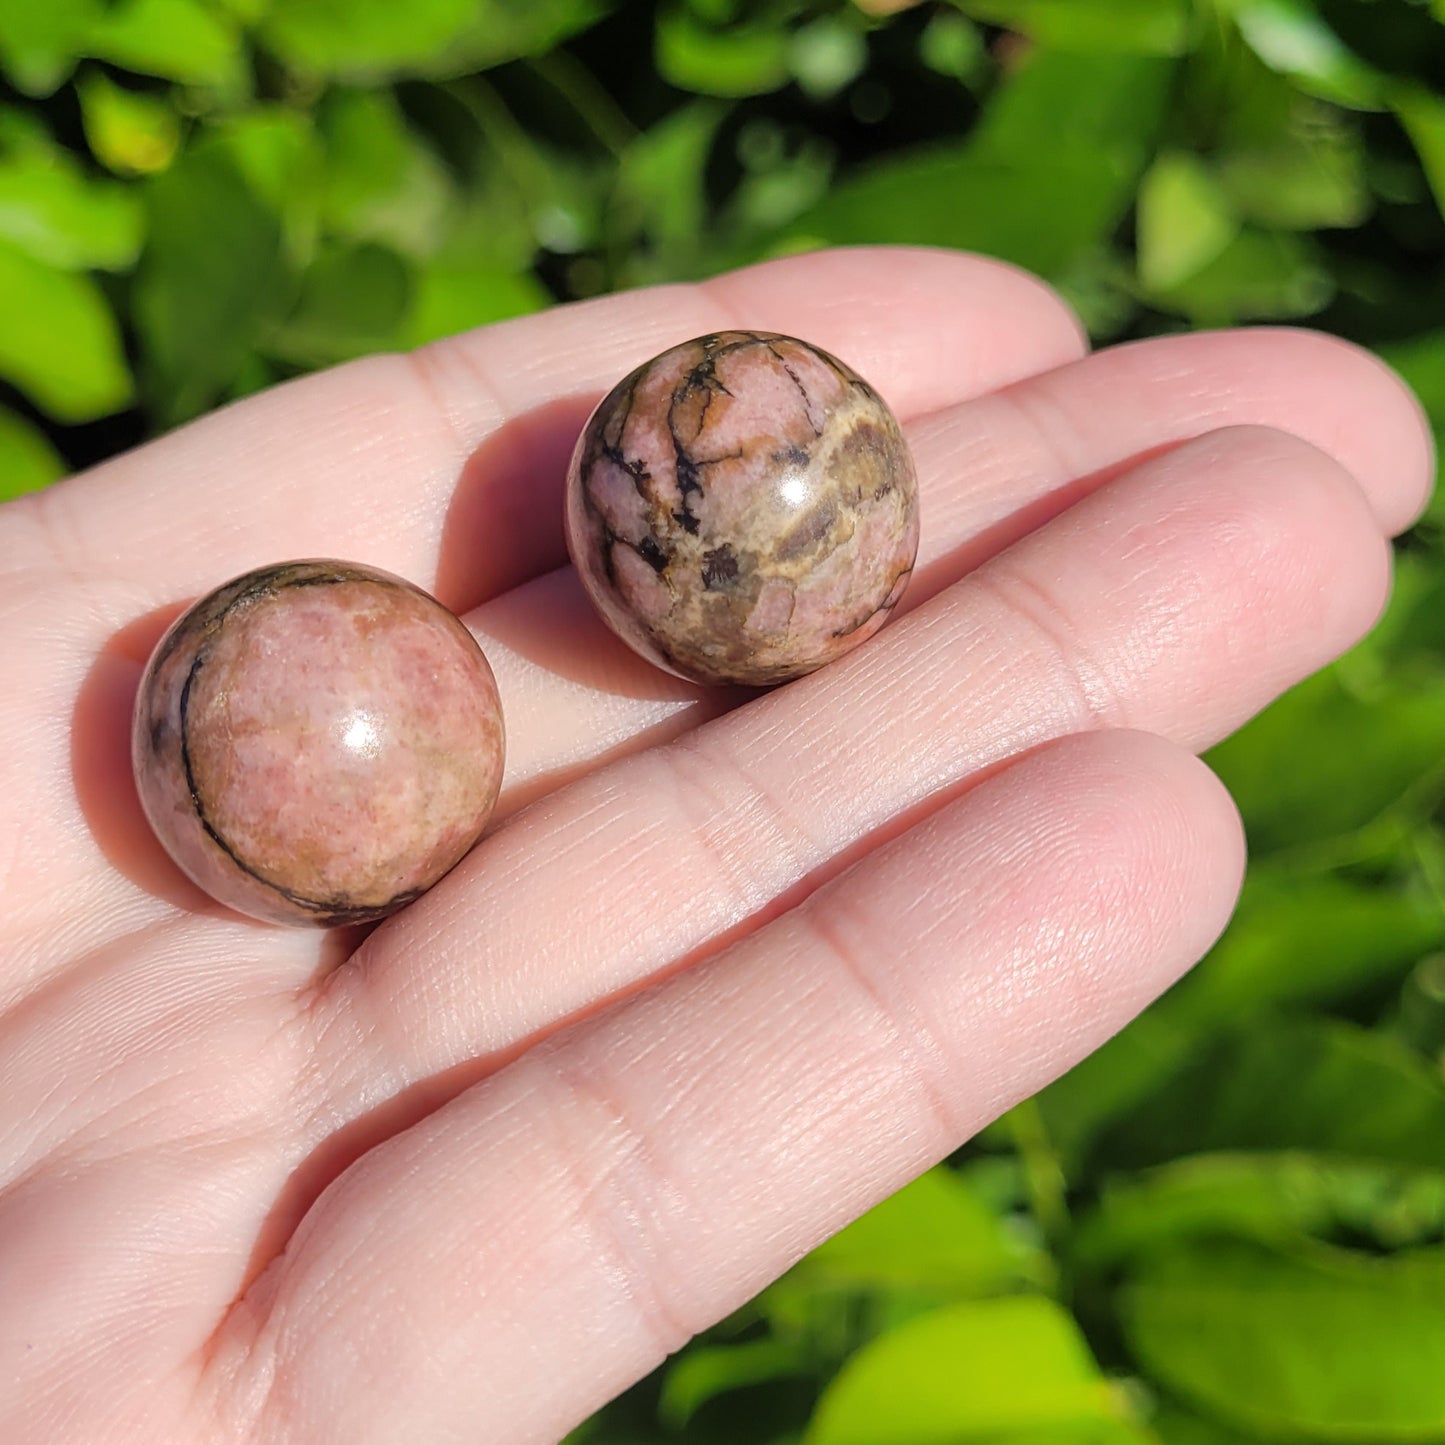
{"x": 52, "y": 210}
{"x": 953, "y": 45}
{"x": 736, "y": 60}
{"x": 371, "y": 39}
{"x": 382, "y": 183}
{"x": 179, "y": 39}
{"x": 934, "y": 1232}
{"x": 706, "y": 1371}
{"x": 60, "y": 343}
{"x": 1286, "y": 1084}
{"x": 1185, "y": 220}
{"x": 353, "y": 300}
{"x": 40, "y": 40}
{"x": 660, "y": 178}
{"x": 1141, "y": 27}
{"x": 1274, "y": 1198}
{"x": 980, "y": 1371}
{"x": 130, "y": 132}
{"x": 1421, "y": 362}
{"x": 213, "y": 276}
{"x": 362, "y": 38}
{"x": 1313, "y": 1344}
{"x": 1293, "y": 38}
{"x": 277, "y": 153}
{"x": 1047, "y": 176}
{"x": 1172, "y": 1424}
{"x": 448, "y": 297}
{"x": 1320, "y": 938}
{"x": 1258, "y": 276}
{"x": 1422, "y": 113}
{"x": 1299, "y": 184}
{"x": 1112, "y": 1080}
{"x": 27, "y": 459}
{"x": 1301, "y": 772}
{"x": 827, "y": 55}
{"x": 1421, "y": 1017}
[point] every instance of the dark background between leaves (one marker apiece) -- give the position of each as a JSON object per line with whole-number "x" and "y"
{"x": 1227, "y": 1226}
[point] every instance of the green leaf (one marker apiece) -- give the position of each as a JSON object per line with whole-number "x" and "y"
{"x": 1327, "y": 758}
{"x": 1174, "y": 1425}
{"x": 1134, "y": 27}
{"x": 954, "y": 46}
{"x": 382, "y": 183}
{"x": 1421, "y": 1018}
{"x": 706, "y": 1371}
{"x": 1270, "y": 1198}
{"x": 976, "y": 1371}
{"x": 660, "y": 178}
{"x": 40, "y": 40}
{"x": 450, "y": 297}
{"x": 827, "y": 55}
{"x": 1325, "y": 1088}
{"x": 1314, "y": 1344}
{"x": 27, "y": 459}
{"x": 60, "y": 343}
{"x": 1259, "y": 276}
{"x": 1292, "y": 38}
{"x": 51, "y": 210}
{"x": 782, "y": 182}
{"x": 129, "y": 132}
{"x": 379, "y": 39}
{"x": 1422, "y": 113}
{"x": 1320, "y": 939}
{"x": 1298, "y": 183}
{"x": 353, "y": 301}
{"x": 1111, "y": 1080}
{"x": 364, "y": 38}
{"x": 1044, "y": 180}
{"x": 933, "y": 1233}
{"x": 1077, "y": 103}
{"x": 734, "y": 61}
{"x": 213, "y": 277}
{"x": 1420, "y": 360}
{"x": 1185, "y": 220}
{"x": 177, "y": 39}
{"x": 277, "y": 152}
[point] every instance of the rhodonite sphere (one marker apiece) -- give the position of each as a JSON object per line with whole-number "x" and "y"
{"x": 743, "y": 509}
{"x": 317, "y": 742}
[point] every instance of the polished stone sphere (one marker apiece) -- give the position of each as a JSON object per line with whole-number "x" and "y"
{"x": 317, "y": 742}
{"x": 743, "y": 509}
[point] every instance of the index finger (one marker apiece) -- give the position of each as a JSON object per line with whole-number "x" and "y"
{"x": 445, "y": 465}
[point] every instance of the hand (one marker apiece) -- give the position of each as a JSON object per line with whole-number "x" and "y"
{"x": 733, "y": 969}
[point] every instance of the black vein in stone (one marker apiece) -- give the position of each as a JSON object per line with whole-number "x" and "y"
{"x": 798, "y": 382}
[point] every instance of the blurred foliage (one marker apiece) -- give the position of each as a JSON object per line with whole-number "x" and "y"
{"x": 1229, "y": 1224}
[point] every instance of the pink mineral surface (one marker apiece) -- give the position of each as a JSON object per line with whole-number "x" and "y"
{"x": 317, "y": 742}
{"x": 743, "y": 509}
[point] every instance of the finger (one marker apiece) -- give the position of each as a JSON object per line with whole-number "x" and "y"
{"x": 446, "y": 465}
{"x": 990, "y": 471}
{"x": 1179, "y": 599}
{"x": 1132, "y": 400}
{"x": 371, "y": 461}
{"x": 551, "y": 1235}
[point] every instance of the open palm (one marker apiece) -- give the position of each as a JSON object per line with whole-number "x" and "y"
{"x": 733, "y": 967}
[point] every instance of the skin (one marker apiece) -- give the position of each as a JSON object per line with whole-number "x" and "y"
{"x": 469, "y": 1175}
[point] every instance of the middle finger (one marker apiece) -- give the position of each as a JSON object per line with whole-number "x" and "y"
{"x": 1178, "y": 599}
{"x": 989, "y": 470}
